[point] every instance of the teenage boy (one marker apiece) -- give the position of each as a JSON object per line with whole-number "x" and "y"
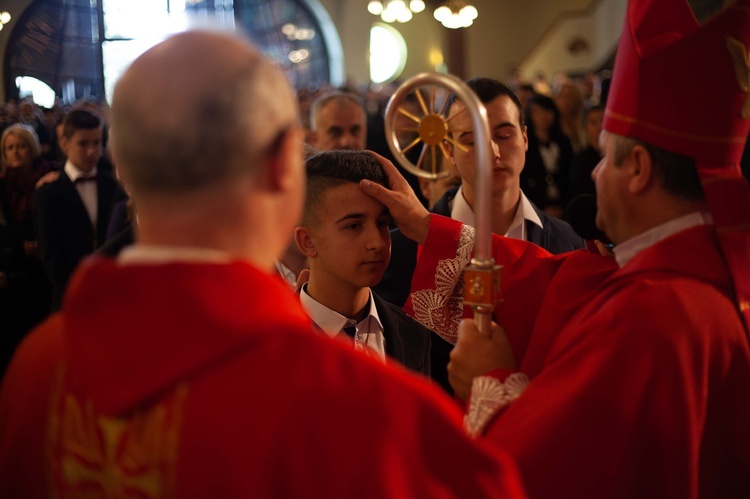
{"x": 345, "y": 236}
{"x": 72, "y": 213}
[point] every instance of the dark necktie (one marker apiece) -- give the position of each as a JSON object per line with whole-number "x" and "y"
{"x": 350, "y": 331}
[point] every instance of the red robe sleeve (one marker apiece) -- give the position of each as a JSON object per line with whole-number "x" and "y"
{"x": 636, "y": 380}
{"x": 647, "y": 409}
{"x": 437, "y": 289}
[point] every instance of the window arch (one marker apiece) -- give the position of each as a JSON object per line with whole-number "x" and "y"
{"x": 80, "y": 47}
{"x": 387, "y": 53}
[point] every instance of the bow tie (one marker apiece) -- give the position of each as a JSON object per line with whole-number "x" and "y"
{"x": 85, "y": 178}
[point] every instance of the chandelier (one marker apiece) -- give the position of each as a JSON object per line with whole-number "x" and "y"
{"x": 395, "y": 10}
{"x": 4, "y": 18}
{"x": 456, "y": 14}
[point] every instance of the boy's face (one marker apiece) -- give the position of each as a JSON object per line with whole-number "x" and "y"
{"x": 350, "y": 243}
{"x": 83, "y": 148}
{"x": 509, "y": 144}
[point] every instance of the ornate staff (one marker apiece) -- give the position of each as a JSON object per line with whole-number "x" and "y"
{"x": 430, "y": 127}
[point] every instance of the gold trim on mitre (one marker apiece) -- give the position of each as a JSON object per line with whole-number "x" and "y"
{"x": 680, "y": 135}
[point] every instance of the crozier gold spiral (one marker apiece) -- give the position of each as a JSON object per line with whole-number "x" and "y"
{"x": 415, "y": 122}
{"x": 422, "y": 122}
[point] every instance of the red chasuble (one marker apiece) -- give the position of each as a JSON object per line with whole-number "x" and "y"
{"x": 639, "y": 375}
{"x": 205, "y": 380}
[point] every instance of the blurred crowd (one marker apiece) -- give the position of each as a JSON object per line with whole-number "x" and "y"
{"x": 563, "y": 119}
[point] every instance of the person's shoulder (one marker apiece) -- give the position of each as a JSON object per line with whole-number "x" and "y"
{"x": 556, "y": 226}
{"x": 35, "y": 358}
{"x": 400, "y": 315}
{"x": 50, "y": 190}
{"x": 442, "y": 205}
{"x": 671, "y": 309}
{"x": 385, "y": 306}
{"x": 562, "y": 237}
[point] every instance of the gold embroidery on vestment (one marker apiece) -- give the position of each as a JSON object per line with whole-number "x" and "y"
{"x": 104, "y": 456}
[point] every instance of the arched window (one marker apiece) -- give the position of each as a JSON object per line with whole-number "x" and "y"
{"x": 387, "y": 53}
{"x": 80, "y": 47}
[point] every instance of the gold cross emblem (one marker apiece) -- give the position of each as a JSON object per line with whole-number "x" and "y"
{"x": 742, "y": 70}
{"x": 112, "y": 457}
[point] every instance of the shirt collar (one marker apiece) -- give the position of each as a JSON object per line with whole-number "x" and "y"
{"x": 152, "y": 254}
{"x": 332, "y": 322}
{"x": 626, "y": 251}
{"x": 286, "y": 274}
{"x": 73, "y": 172}
{"x": 462, "y": 212}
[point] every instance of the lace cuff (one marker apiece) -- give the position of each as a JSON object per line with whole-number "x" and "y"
{"x": 441, "y": 309}
{"x": 488, "y": 397}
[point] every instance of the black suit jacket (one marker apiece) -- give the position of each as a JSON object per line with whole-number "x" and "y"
{"x": 406, "y": 340}
{"x": 64, "y": 230}
{"x": 555, "y": 236}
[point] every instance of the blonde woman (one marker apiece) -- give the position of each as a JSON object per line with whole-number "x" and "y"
{"x": 24, "y": 287}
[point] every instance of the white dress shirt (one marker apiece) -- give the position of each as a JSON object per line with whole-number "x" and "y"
{"x": 86, "y": 190}
{"x": 369, "y": 332}
{"x": 461, "y": 211}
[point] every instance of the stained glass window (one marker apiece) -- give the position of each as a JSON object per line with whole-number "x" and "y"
{"x": 80, "y": 47}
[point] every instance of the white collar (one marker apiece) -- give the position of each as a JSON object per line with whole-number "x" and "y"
{"x": 462, "y": 212}
{"x": 153, "y": 254}
{"x": 626, "y": 251}
{"x": 73, "y": 172}
{"x": 332, "y": 322}
{"x": 286, "y": 274}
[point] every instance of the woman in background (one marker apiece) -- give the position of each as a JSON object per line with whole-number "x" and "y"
{"x": 544, "y": 179}
{"x": 569, "y": 101}
{"x": 24, "y": 288}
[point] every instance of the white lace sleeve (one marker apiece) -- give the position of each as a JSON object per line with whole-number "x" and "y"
{"x": 488, "y": 396}
{"x": 441, "y": 309}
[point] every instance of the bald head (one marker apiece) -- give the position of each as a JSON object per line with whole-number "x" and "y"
{"x": 198, "y": 108}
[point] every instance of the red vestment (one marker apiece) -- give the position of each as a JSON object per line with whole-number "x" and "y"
{"x": 205, "y": 380}
{"x": 639, "y": 374}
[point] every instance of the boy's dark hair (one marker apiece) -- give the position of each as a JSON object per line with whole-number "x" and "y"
{"x": 489, "y": 89}
{"x": 80, "y": 119}
{"x": 330, "y": 169}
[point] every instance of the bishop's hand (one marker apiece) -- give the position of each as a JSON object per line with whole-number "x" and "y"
{"x": 476, "y": 354}
{"x": 412, "y": 219}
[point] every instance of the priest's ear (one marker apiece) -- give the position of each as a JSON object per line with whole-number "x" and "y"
{"x": 640, "y": 170}
{"x": 305, "y": 243}
{"x": 285, "y": 160}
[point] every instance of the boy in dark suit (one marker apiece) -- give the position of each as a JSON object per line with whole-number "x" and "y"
{"x": 345, "y": 235}
{"x": 71, "y": 213}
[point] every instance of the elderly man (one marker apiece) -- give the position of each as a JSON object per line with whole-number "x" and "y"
{"x": 184, "y": 368}
{"x": 338, "y": 121}
{"x": 623, "y": 377}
